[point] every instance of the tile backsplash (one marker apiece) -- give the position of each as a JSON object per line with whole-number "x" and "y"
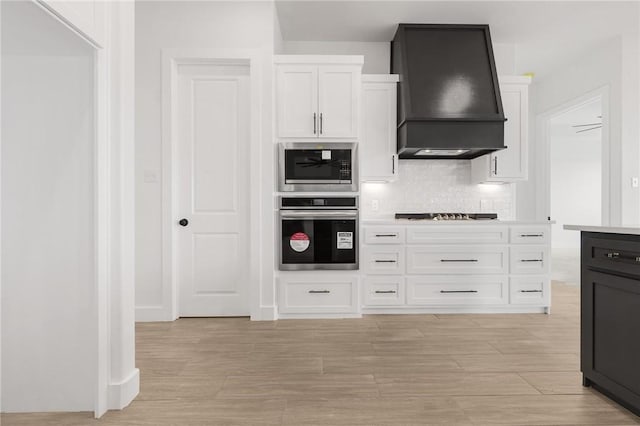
{"x": 436, "y": 186}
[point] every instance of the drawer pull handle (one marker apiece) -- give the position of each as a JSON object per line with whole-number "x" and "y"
{"x": 530, "y": 291}
{"x": 319, "y": 291}
{"x": 386, "y": 235}
{"x": 458, "y": 291}
{"x": 616, "y": 255}
{"x": 385, "y": 292}
{"x": 531, "y": 260}
{"x": 531, "y": 235}
{"x": 458, "y": 260}
{"x": 385, "y": 261}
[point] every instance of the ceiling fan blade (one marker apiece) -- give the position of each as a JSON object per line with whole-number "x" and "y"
{"x": 591, "y": 128}
{"x": 587, "y": 125}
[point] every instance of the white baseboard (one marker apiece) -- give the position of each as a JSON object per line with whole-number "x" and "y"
{"x": 121, "y": 394}
{"x": 152, "y": 314}
{"x": 318, "y": 316}
{"x": 266, "y": 313}
{"x": 510, "y": 309}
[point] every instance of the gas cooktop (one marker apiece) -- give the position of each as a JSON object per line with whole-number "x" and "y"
{"x": 447, "y": 216}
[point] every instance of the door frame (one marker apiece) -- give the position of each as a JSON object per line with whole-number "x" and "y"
{"x": 171, "y": 59}
{"x": 543, "y": 166}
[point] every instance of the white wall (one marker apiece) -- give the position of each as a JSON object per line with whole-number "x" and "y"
{"x": 191, "y": 25}
{"x": 377, "y": 59}
{"x": 49, "y": 324}
{"x": 68, "y": 339}
{"x": 437, "y": 186}
{"x": 612, "y": 64}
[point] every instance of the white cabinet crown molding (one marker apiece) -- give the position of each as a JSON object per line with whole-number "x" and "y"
{"x": 319, "y": 59}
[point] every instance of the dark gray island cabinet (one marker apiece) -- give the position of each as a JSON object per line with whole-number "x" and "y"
{"x": 610, "y": 312}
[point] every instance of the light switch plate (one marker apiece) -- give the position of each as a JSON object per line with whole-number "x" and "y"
{"x": 150, "y": 176}
{"x": 375, "y": 205}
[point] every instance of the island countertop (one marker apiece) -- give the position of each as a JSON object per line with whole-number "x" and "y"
{"x": 629, "y": 230}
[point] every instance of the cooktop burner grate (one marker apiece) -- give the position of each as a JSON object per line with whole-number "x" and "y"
{"x": 447, "y": 216}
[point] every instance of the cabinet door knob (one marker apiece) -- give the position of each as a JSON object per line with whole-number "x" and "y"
{"x": 183, "y": 222}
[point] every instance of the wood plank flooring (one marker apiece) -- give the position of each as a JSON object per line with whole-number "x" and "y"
{"x": 378, "y": 370}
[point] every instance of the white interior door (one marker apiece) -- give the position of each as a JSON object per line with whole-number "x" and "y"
{"x": 213, "y": 140}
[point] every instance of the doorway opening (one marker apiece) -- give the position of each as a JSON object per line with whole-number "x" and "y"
{"x": 577, "y": 184}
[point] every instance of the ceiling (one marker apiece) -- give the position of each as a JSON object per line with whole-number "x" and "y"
{"x": 544, "y": 32}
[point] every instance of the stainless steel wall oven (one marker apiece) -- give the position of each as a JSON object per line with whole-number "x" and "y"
{"x": 318, "y": 233}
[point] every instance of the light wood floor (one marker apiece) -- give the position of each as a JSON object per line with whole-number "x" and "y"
{"x": 379, "y": 370}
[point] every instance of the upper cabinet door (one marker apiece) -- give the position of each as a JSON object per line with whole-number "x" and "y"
{"x": 297, "y": 101}
{"x": 510, "y": 162}
{"x": 378, "y": 132}
{"x": 338, "y": 101}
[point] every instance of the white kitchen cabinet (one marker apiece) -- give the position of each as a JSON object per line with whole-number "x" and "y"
{"x": 453, "y": 259}
{"x": 384, "y": 290}
{"x": 383, "y": 259}
{"x": 318, "y": 293}
{"x": 451, "y": 234}
{"x": 455, "y": 267}
{"x": 384, "y": 235}
{"x": 509, "y": 164}
{"x": 87, "y": 17}
{"x": 529, "y": 259}
{"x": 318, "y": 97}
{"x": 297, "y": 101}
{"x": 378, "y": 147}
{"x": 529, "y": 235}
{"x": 457, "y": 290}
{"x": 529, "y": 290}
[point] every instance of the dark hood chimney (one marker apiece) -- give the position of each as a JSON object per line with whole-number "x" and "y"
{"x": 449, "y": 103}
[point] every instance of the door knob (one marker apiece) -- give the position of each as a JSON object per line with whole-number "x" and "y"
{"x": 183, "y": 222}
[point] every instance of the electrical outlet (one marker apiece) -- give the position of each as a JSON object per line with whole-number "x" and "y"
{"x": 634, "y": 182}
{"x": 375, "y": 205}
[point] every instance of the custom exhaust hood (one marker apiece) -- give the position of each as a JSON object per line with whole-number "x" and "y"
{"x": 449, "y": 103}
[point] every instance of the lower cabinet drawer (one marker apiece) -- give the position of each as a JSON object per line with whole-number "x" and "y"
{"x": 308, "y": 293}
{"x": 456, "y": 259}
{"x": 384, "y": 291}
{"x": 529, "y": 260}
{"x": 382, "y": 259}
{"x": 529, "y": 290}
{"x": 457, "y": 290}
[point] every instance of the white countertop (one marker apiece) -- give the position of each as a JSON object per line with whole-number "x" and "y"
{"x": 403, "y": 222}
{"x": 631, "y": 230}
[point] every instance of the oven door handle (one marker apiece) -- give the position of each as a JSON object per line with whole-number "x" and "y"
{"x": 296, "y": 214}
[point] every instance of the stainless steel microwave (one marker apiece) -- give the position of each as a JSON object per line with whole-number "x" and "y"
{"x": 312, "y": 166}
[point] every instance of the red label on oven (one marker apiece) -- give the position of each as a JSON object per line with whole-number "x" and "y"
{"x": 299, "y": 242}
